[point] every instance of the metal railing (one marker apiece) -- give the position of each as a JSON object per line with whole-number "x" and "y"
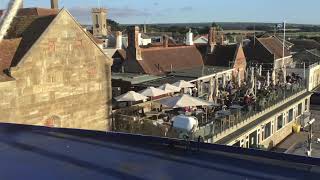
{"x": 212, "y": 126}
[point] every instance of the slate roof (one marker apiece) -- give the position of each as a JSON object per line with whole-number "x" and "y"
{"x": 304, "y": 44}
{"x": 274, "y": 46}
{"x": 307, "y": 56}
{"x": 159, "y": 61}
{"x": 222, "y": 55}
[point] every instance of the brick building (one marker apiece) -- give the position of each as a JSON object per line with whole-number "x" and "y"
{"x": 52, "y": 73}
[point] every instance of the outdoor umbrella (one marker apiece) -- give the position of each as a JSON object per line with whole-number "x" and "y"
{"x": 274, "y": 77}
{"x": 211, "y": 89}
{"x": 183, "y": 101}
{"x": 268, "y": 79}
{"x": 168, "y": 88}
{"x": 183, "y": 84}
{"x": 152, "y": 92}
{"x": 131, "y": 96}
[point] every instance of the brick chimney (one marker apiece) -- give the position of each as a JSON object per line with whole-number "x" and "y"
{"x": 165, "y": 41}
{"x": 212, "y": 39}
{"x": 118, "y": 40}
{"x": 133, "y": 42}
{"x": 54, "y": 4}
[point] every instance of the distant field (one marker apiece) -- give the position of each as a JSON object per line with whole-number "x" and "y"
{"x": 297, "y": 34}
{"x": 242, "y": 31}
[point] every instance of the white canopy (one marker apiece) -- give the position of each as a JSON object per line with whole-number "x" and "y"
{"x": 131, "y": 96}
{"x": 153, "y": 92}
{"x": 183, "y": 101}
{"x": 168, "y": 88}
{"x": 183, "y": 84}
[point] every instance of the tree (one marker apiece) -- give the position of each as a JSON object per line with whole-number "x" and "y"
{"x": 115, "y": 26}
{"x": 217, "y": 26}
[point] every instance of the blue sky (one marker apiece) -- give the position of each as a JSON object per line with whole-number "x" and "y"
{"x": 171, "y": 11}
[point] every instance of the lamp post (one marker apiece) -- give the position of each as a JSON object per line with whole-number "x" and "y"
{"x": 309, "y": 152}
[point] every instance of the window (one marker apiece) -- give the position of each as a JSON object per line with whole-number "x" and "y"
{"x": 299, "y": 109}
{"x": 97, "y": 19}
{"x": 280, "y": 122}
{"x": 267, "y": 130}
{"x": 306, "y": 105}
{"x": 290, "y": 115}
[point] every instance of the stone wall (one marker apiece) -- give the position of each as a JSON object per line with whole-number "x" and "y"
{"x": 63, "y": 81}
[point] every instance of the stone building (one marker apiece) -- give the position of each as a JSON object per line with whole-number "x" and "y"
{"x": 99, "y": 19}
{"x": 52, "y": 73}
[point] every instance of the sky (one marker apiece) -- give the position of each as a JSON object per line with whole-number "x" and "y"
{"x": 187, "y": 11}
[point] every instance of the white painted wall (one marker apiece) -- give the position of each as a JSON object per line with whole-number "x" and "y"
{"x": 143, "y": 42}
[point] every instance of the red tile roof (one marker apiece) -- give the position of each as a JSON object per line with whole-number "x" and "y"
{"x": 8, "y": 49}
{"x": 24, "y": 30}
{"x": 35, "y": 12}
{"x": 157, "y": 61}
{"x": 274, "y": 46}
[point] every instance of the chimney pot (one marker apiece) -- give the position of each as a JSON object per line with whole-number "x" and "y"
{"x": 119, "y": 40}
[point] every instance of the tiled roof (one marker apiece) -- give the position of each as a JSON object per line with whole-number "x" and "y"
{"x": 274, "y": 46}
{"x": 29, "y": 28}
{"x": 122, "y": 53}
{"x": 96, "y": 40}
{"x": 222, "y": 55}
{"x": 8, "y": 49}
{"x": 304, "y": 44}
{"x": 35, "y": 12}
{"x": 24, "y": 30}
{"x": 158, "y": 61}
{"x": 307, "y": 56}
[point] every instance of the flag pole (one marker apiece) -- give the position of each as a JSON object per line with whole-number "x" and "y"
{"x": 283, "y": 49}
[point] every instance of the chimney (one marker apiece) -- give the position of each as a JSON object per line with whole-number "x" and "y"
{"x": 165, "y": 41}
{"x": 133, "y": 42}
{"x": 221, "y": 42}
{"x": 212, "y": 39}
{"x": 54, "y": 4}
{"x": 189, "y": 40}
{"x": 118, "y": 40}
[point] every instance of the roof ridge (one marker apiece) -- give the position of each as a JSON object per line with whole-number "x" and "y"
{"x": 309, "y": 51}
{"x": 165, "y": 48}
